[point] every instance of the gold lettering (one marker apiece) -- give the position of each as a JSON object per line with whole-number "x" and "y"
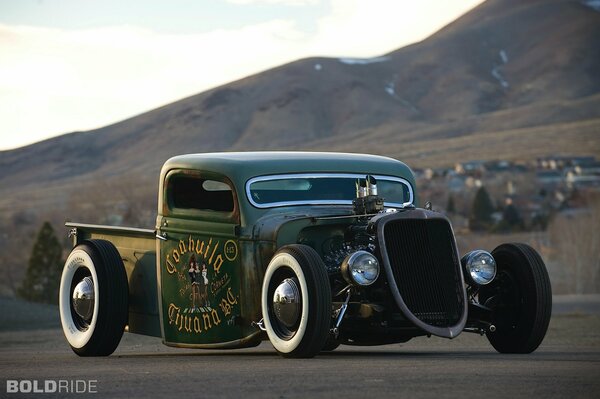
{"x": 225, "y": 307}
{"x": 208, "y": 248}
{"x": 218, "y": 263}
{"x": 230, "y": 297}
{"x": 206, "y": 319}
{"x": 182, "y": 248}
{"x": 215, "y": 317}
{"x": 214, "y": 256}
{"x": 170, "y": 267}
{"x": 216, "y": 285}
{"x": 180, "y": 323}
{"x": 188, "y": 324}
{"x": 213, "y": 253}
{"x": 172, "y": 311}
{"x": 199, "y": 247}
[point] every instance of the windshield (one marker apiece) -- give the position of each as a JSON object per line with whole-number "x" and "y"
{"x": 317, "y": 189}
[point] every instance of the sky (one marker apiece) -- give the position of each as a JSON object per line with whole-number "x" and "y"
{"x": 74, "y": 65}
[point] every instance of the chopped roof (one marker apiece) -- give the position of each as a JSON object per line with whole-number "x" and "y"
{"x": 241, "y": 166}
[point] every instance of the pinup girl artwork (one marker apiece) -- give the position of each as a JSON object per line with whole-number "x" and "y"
{"x": 194, "y": 273}
{"x": 205, "y": 285}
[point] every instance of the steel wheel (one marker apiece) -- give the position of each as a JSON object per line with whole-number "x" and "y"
{"x": 296, "y": 302}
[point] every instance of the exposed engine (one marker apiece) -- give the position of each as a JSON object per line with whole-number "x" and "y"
{"x": 357, "y": 238}
{"x": 334, "y": 259}
{"x": 367, "y": 202}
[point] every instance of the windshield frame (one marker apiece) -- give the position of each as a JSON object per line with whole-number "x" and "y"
{"x": 324, "y": 202}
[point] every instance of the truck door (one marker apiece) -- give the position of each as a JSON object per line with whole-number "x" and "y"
{"x": 199, "y": 260}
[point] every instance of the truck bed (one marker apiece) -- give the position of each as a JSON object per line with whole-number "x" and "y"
{"x": 138, "y": 252}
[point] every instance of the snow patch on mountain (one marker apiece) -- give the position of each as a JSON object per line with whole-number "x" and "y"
{"x": 595, "y": 4}
{"x": 496, "y": 69}
{"x": 363, "y": 61}
{"x": 496, "y": 74}
{"x": 391, "y": 89}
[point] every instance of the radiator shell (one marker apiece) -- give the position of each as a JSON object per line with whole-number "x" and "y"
{"x": 421, "y": 262}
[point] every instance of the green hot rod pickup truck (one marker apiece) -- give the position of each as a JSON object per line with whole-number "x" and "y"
{"x": 307, "y": 250}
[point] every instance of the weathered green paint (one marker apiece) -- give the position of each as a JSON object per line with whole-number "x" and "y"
{"x": 161, "y": 300}
{"x": 239, "y": 167}
{"x": 137, "y": 248}
{"x": 204, "y": 307}
{"x": 208, "y": 310}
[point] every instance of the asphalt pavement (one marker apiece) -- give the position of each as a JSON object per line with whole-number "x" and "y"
{"x": 566, "y": 365}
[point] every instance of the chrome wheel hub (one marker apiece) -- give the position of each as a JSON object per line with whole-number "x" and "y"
{"x": 83, "y": 299}
{"x": 287, "y": 302}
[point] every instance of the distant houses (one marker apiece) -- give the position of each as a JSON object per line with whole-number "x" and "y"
{"x": 536, "y": 188}
{"x": 572, "y": 172}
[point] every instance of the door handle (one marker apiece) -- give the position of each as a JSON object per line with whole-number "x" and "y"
{"x": 161, "y": 236}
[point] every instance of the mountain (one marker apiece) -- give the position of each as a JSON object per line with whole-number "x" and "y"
{"x": 510, "y": 79}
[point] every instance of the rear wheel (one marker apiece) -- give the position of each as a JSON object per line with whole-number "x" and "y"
{"x": 520, "y": 298}
{"x": 93, "y": 298}
{"x": 296, "y": 302}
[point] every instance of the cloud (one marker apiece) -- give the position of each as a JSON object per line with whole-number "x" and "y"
{"x": 54, "y": 81}
{"x": 277, "y": 2}
{"x": 371, "y": 28}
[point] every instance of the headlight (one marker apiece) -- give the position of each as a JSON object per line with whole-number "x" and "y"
{"x": 479, "y": 267}
{"x": 360, "y": 268}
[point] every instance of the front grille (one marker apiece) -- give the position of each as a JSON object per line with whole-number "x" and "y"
{"x": 423, "y": 260}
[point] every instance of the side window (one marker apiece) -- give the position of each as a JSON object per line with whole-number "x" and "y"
{"x": 196, "y": 193}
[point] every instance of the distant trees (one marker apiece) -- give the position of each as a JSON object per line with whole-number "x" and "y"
{"x": 511, "y": 219}
{"x": 575, "y": 243}
{"x": 450, "y": 206}
{"x": 481, "y": 211}
{"x": 42, "y": 278}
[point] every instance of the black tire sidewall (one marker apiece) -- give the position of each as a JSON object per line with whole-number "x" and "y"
{"x": 313, "y": 329}
{"x": 528, "y": 273}
{"x": 111, "y": 298}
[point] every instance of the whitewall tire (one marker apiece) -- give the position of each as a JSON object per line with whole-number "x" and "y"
{"x": 296, "y": 302}
{"x": 93, "y": 298}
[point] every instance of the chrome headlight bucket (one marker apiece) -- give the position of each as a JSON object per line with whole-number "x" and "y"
{"x": 360, "y": 268}
{"x": 479, "y": 267}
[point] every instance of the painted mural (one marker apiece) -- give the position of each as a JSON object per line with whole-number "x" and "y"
{"x": 200, "y": 290}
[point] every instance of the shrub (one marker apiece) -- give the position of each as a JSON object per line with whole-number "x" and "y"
{"x": 42, "y": 278}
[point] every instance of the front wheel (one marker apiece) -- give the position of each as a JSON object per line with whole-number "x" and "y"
{"x": 520, "y": 298}
{"x": 331, "y": 345}
{"x": 93, "y": 298}
{"x": 296, "y": 302}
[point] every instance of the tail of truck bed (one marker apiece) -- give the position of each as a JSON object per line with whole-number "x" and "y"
{"x": 137, "y": 248}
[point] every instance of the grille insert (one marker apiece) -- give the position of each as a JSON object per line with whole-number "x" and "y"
{"x": 423, "y": 261}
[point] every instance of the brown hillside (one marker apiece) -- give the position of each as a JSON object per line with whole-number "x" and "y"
{"x": 510, "y": 79}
